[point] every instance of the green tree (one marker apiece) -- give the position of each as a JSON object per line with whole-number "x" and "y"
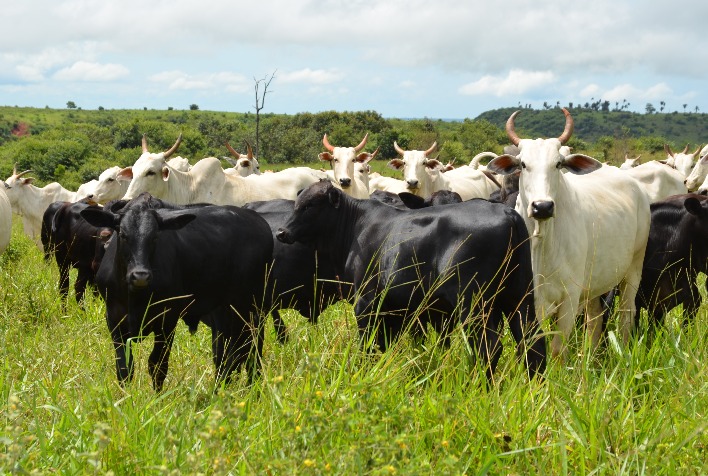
{"x": 70, "y": 105}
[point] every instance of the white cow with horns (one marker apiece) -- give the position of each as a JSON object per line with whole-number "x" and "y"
{"x": 242, "y": 164}
{"x": 342, "y": 160}
{"x": 30, "y": 201}
{"x": 588, "y": 232}
{"x": 206, "y": 182}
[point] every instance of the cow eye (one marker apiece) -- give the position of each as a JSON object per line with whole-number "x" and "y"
{"x": 111, "y": 180}
{"x": 150, "y": 173}
{"x": 523, "y": 165}
{"x": 559, "y": 164}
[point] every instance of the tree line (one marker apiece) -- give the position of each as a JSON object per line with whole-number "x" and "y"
{"x": 74, "y": 146}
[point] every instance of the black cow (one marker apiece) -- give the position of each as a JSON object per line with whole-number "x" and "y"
{"x": 426, "y": 266}
{"x": 202, "y": 264}
{"x": 677, "y": 250}
{"x": 73, "y": 242}
{"x": 405, "y": 200}
{"x": 298, "y": 278}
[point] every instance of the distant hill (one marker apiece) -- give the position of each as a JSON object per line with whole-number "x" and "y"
{"x": 676, "y": 128}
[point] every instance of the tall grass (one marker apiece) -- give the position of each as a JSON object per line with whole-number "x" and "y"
{"x": 322, "y": 406}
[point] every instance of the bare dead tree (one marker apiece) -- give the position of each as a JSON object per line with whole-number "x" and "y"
{"x": 260, "y": 104}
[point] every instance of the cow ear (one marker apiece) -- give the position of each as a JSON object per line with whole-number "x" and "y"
{"x": 335, "y": 196}
{"x": 412, "y": 201}
{"x": 504, "y": 164}
{"x": 165, "y": 173}
{"x": 581, "y": 164}
{"x": 100, "y": 218}
{"x": 326, "y": 157}
{"x": 395, "y": 164}
{"x": 125, "y": 174}
{"x": 693, "y": 205}
{"x": 26, "y": 181}
{"x": 173, "y": 219}
{"x": 365, "y": 157}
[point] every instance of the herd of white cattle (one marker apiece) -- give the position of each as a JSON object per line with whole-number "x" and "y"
{"x": 577, "y": 255}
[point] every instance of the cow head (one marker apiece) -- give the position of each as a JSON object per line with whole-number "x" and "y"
{"x": 630, "y": 163}
{"x": 313, "y": 208}
{"x": 342, "y": 160}
{"x": 150, "y": 172}
{"x": 419, "y": 171}
{"x": 15, "y": 187}
{"x": 541, "y": 164}
{"x": 697, "y": 178}
{"x": 681, "y": 161}
{"x": 138, "y": 227}
{"x": 243, "y": 164}
{"x": 109, "y": 187}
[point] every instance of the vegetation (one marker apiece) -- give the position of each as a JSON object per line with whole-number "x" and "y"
{"x": 324, "y": 407}
{"x": 73, "y": 145}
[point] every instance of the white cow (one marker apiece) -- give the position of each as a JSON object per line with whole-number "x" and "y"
{"x": 630, "y": 163}
{"x": 342, "y": 160}
{"x": 30, "y": 201}
{"x": 243, "y": 164}
{"x": 386, "y": 184}
{"x": 5, "y": 220}
{"x": 206, "y": 182}
{"x": 658, "y": 180}
{"x": 424, "y": 176}
{"x": 699, "y": 173}
{"x": 681, "y": 161}
{"x": 588, "y": 232}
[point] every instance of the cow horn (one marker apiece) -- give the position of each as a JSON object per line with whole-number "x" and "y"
{"x": 22, "y": 173}
{"x": 174, "y": 148}
{"x": 326, "y": 143}
{"x": 362, "y": 143}
{"x": 685, "y": 149}
{"x": 145, "y": 144}
{"x": 14, "y": 169}
{"x": 568, "y": 130}
{"x": 232, "y": 150}
{"x": 510, "y": 129}
{"x": 249, "y": 150}
{"x": 667, "y": 148}
{"x": 697, "y": 150}
{"x": 432, "y": 148}
{"x": 398, "y": 148}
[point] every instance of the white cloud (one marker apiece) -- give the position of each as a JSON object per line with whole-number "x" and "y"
{"x": 223, "y": 81}
{"x": 516, "y": 82}
{"x": 88, "y": 71}
{"x": 307, "y": 75}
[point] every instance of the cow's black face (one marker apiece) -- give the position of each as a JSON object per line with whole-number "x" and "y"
{"x": 137, "y": 237}
{"x": 309, "y": 213}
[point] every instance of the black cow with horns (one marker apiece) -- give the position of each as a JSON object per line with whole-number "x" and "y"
{"x": 467, "y": 262}
{"x": 199, "y": 263}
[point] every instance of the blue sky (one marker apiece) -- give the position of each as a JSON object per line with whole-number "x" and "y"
{"x": 408, "y": 58}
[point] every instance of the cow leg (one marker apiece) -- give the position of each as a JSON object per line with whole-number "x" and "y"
{"x": 158, "y": 362}
{"x": 82, "y": 279}
{"x": 691, "y": 302}
{"x": 593, "y": 320}
{"x": 236, "y": 343}
{"x": 63, "y": 281}
{"x": 124, "y": 360}
{"x": 485, "y": 340}
{"x": 565, "y": 323}
{"x": 627, "y": 306}
{"x": 530, "y": 342}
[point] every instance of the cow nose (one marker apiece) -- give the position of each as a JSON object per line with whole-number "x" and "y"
{"x": 412, "y": 183}
{"x": 702, "y": 191}
{"x": 542, "y": 209}
{"x": 282, "y": 236}
{"x": 345, "y": 182}
{"x": 139, "y": 278}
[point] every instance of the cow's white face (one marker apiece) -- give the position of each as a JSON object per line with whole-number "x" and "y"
{"x": 108, "y": 187}
{"x": 15, "y": 187}
{"x": 698, "y": 175}
{"x": 148, "y": 174}
{"x": 541, "y": 165}
{"x": 343, "y": 160}
{"x": 419, "y": 172}
{"x": 683, "y": 162}
{"x": 245, "y": 166}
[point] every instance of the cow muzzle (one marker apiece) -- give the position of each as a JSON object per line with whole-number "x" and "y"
{"x": 412, "y": 184}
{"x": 542, "y": 209}
{"x": 702, "y": 191}
{"x": 283, "y": 236}
{"x": 345, "y": 182}
{"x": 139, "y": 278}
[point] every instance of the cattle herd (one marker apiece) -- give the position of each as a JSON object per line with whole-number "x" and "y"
{"x": 533, "y": 239}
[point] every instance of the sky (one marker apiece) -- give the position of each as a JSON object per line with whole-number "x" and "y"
{"x": 440, "y": 59}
